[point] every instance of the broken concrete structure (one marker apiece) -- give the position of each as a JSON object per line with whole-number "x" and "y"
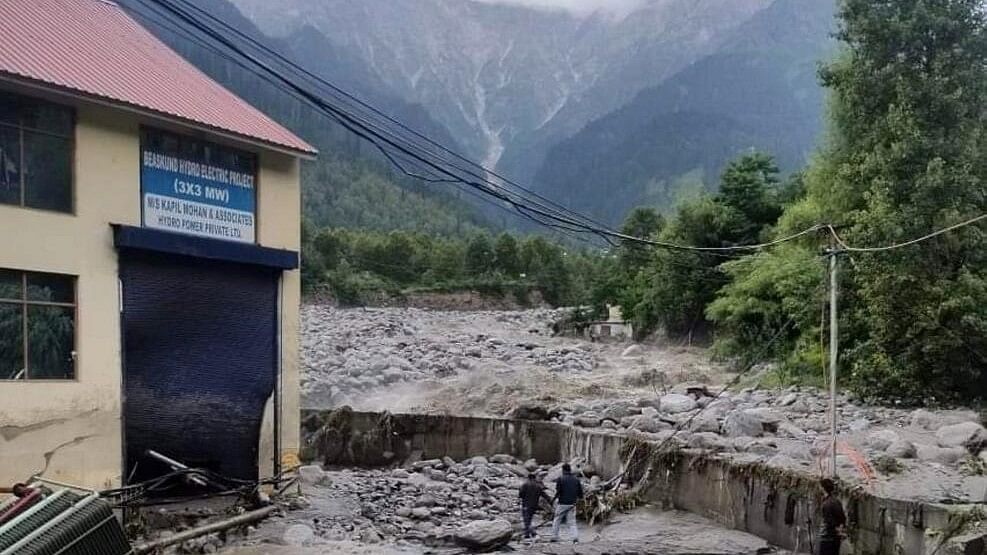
{"x": 776, "y": 504}
{"x": 149, "y": 292}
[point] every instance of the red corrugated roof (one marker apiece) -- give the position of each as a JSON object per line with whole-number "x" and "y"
{"x": 94, "y": 47}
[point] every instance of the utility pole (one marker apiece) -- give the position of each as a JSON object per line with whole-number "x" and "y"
{"x": 833, "y": 350}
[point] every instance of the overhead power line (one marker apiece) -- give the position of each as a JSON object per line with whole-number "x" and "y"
{"x": 846, "y": 247}
{"x": 402, "y": 150}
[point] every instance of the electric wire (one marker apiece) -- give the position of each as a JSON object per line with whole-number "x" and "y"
{"x": 846, "y": 247}
{"x": 339, "y": 91}
{"x": 375, "y": 135}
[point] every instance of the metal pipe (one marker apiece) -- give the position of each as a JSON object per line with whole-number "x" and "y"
{"x": 245, "y": 518}
{"x": 175, "y": 465}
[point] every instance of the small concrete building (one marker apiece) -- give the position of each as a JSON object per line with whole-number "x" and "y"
{"x": 613, "y": 328}
{"x": 149, "y": 229}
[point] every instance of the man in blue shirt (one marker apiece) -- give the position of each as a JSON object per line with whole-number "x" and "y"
{"x": 568, "y": 492}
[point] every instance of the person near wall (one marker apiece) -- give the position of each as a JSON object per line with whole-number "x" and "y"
{"x": 833, "y": 520}
{"x": 531, "y": 495}
{"x": 568, "y": 492}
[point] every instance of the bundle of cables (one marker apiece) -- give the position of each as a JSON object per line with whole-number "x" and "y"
{"x": 153, "y": 491}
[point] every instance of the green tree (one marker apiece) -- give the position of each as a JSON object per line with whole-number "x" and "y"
{"x": 506, "y": 258}
{"x": 643, "y": 222}
{"x": 909, "y": 99}
{"x": 479, "y": 255}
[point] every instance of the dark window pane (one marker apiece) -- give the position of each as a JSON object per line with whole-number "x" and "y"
{"x": 10, "y": 166}
{"x": 47, "y": 172}
{"x": 50, "y": 342}
{"x": 45, "y": 116}
{"x": 11, "y": 285}
{"x": 8, "y": 108}
{"x": 50, "y": 288}
{"x": 11, "y": 341}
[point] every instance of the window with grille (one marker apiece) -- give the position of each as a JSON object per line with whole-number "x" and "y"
{"x": 36, "y": 148}
{"x": 37, "y": 326}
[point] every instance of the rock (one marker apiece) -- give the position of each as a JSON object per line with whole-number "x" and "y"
{"x": 421, "y": 513}
{"x": 787, "y": 400}
{"x": 484, "y": 535}
{"x": 758, "y": 447}
{"x": 925, "y": 420}
{"x": 859, "y": 425}
{"x": 795, "y": 450}
{"x": 633, "y": 351}
{"x": 403, "y": 512}
{"x": 370, "y": 535}
{"x": 430, "y": 463}
{"x": 588, "y": 421}
{"x": 479, "y": 460}
{"x": 969, "y": 435}
{"x": 531, "y": 411}
{"x": 705, "y": 422}
{"x": 617, "y": 411}
{"x": 674, "y": 403}
{"x": 298, "y": 535}
{"x": 312, "y": 475}
{"x": 502, "y": 459}
{"x": 707, "y": 440}
{"x": 650, "y": 412}
{"x": 743, "y": 423}
{"x": 941, "y": 455}
{"x": 881, "y": 439}
{"x": 787, "y": 429}
{"x": 901, "y": 449}
{"x": 651, "y": 425}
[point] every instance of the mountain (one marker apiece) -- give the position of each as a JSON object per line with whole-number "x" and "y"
{"x": 350, "y": 184}
{"x": 759, "y": 90}
{"x": 507, "y": 81}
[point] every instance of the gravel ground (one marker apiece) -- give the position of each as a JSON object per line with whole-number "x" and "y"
{"x": 424, "y": 507}
{"x": 508, "y": 364}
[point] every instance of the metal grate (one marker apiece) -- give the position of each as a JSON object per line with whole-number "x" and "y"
{"x": 35, "y": 517}
{"x": 65, "y": 524}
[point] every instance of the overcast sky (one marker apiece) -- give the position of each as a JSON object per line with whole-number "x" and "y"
{"x": 580, "y": 7}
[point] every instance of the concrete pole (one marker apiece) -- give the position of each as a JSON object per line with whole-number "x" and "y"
{"x": 833, "y": 352}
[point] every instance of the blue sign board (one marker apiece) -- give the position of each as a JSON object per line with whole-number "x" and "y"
{"x": 198, "y": 188}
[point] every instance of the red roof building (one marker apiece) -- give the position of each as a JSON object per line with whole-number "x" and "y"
{"x": 94, "y": 49}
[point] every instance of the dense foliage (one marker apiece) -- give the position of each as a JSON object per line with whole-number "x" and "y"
{"x": 904, "y": 157}
{"x": 357, "y": 267}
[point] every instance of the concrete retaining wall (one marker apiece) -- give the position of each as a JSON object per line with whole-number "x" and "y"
{"x": 776, "y": 505}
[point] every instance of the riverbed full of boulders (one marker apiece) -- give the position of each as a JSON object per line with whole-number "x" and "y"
{"x": 440, "y": 502}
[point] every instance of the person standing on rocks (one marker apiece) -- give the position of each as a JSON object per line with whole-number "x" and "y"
{"x": 531, "y": 495}
{"x": 833, "y": 520}
{"x": 568, "y": 492}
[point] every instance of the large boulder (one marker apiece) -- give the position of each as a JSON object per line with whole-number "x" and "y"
{"x": 941, "y": 455}
{"x": 674, "y": 403}
{"x": 881, "y": 439}
{"x": 313, "y": 475}
{"x": 743, "y": 423}
{"x": 531, "y": 411}
{"x": 969, "y": 435}
{"x": 484, "y": 535}
{"x": 901, "y": 449}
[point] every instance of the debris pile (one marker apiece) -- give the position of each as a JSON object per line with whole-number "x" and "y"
{"x": 439, "y": 502}
{"x": 383, "y": 349}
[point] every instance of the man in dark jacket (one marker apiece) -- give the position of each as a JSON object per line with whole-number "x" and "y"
{"x": 833, "y": 520}
{"x": 531, "y": 495}
{"x": 568, "y": 492}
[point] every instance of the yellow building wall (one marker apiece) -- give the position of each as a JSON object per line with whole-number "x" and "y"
{"x": 72, "y": 430}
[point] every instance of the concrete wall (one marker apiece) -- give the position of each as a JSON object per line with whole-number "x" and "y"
{"x": 72, "y": 429}
{"x": 751, "y": 497}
